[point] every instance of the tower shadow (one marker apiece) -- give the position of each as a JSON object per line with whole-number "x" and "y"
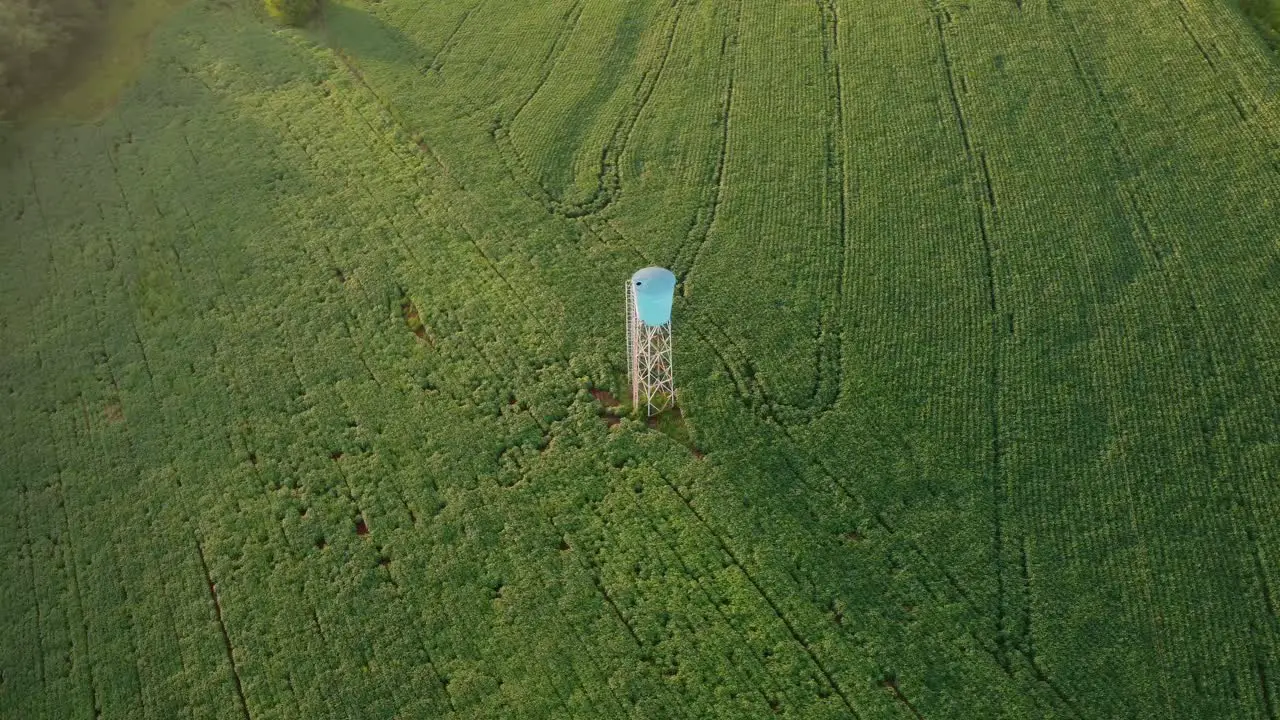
{"x": 364, "y": 35}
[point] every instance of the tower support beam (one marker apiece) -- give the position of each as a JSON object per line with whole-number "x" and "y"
{"x": 649, "y": 360}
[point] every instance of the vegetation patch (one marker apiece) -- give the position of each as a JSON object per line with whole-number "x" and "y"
{"x": 1266, "y": 15}
{"x": 292, "y": 12}
{"x": 976, "y": 321}
{"x": 671, "y": 422}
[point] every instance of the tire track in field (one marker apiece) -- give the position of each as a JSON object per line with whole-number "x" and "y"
{"x": 568, "y": 27}
{"x": 226, "y": 639}
{"x": 648, "y": 514}
{"x": 828, "y": 384}
{"x": 71, "y": 560}
{"x": 246, "y": 436}
{"x": 458, "y": 225}
{"x": 596, "y": 574}
{"x": 22, "y": 516}
{"x": 128, "y": 603}
{"x": 364, "y": 448}
{"x": 437, "y": 62}
{"x": 1023, "y": 634}
{"x": 980, "y": 629}
{"x": 29, "y": 547}
{"x": 199, "y": 544}
{"x": 747, "y": 387}
{"x": 1013, "y": 610}
{"x": 1205, "y": 374}
{"x": 405, "y": 247}
{"x": 782, "y": 617}
{"x": 349, "y": 63}
{"x": 593, "y": 572}
{"x": 745, "y": 680}
{"x": 984, "y": 212}
{"x": 704, "y": 219}
{"x": 106, "y": 376}
{"x": 438, "y": 321}
{"x": 390, "y": 117}
{"x": 698, "y": 579}
{"x": 829, "y": 376}
{"x": 1235, "y": 90}
{"x": 594, "y": 656}
{"x": 432, "y": 663}
{"x": 1269, "y": 148}
{"x": 113, "y": 566}
{"x": 483, "y": 357}
{"x": 780, "y": 690}
{"x": 318, "y": 627}
{"x": 51, "y": 267}
{"x": 176, "y": 638}
{"x": 608, "y": 177}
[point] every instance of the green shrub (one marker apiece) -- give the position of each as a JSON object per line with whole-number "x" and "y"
{"x": 292, "y": 12}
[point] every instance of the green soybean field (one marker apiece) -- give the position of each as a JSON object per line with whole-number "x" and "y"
{"x": 313, "y": 393}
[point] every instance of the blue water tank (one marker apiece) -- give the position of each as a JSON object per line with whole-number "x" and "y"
{"x": 654, "y": 288}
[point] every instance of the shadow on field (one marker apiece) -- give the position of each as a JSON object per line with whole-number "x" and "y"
{"x": 365, "y": 36}
{"x": 183, "y": 175}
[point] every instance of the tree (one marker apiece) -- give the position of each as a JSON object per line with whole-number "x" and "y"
{"x": 291, "y": 12}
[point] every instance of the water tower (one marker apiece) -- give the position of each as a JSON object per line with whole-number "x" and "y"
{"x": 649, "y": 295}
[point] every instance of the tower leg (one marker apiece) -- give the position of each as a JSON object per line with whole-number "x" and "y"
{"x": 648, "y": 361}
{"x": 655, "y": 385}
{"x": 633, "y": 340}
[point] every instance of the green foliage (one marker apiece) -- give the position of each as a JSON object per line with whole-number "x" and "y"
{"x": 292, "y": 12}
{"x": 1266, "y": 13}
{"x": 313, "y": 404}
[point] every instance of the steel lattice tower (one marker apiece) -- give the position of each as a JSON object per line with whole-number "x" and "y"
{"x": 649, "y": 295}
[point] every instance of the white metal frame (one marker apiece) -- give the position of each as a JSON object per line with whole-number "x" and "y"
{"x": 649, "y": 360}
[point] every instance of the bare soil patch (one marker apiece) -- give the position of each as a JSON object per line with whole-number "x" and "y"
{"x": 413, "y": 319}
{"x": 607, "y": 402}
{"x": 605, "y": 398}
